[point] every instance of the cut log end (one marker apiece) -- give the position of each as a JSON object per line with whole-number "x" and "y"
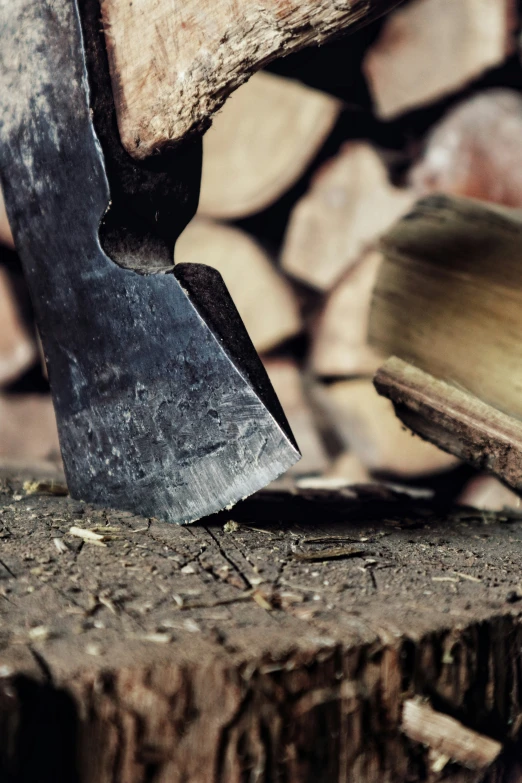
{"x": 172, "y": 65}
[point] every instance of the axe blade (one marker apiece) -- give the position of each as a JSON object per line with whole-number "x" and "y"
{"x": 162, "y": 403}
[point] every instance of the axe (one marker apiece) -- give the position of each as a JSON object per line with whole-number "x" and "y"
{"x": 162, "y": 404}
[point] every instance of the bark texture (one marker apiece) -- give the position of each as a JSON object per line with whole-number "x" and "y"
{"x": 173, "y": 64}
{"x": 257, "y": 651}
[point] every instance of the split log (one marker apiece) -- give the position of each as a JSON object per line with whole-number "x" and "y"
{"x": 340, "y": 336}
{"x": 367, "y": 425}
{"x": 265, "y": 300}
{"x": 448, "y": 737}
{"x": 449, "y": 296}
{"x": 487, "y": 492}
{"x": 475, "y": 151}
{"x": 173, "y": 65}
{"x": 454, "y": 420}
{"x": 350, "y": 203}
{"x": 431, "y": 48}
{"x": 289, "y": 387}
{"x": 17, "y": 348}
{"x": 263, "y": 650}
{"x": 6, "y": 237}
{"x": 28, "y": 428}
{"x": 261, "y": 143}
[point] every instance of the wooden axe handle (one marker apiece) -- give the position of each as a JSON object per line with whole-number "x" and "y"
{"x": 174, "y": 63}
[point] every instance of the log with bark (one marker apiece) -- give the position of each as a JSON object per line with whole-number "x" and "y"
{"x": 132, "y": 650}
{"x": 430, "y": 48}
{"x": 173, "y": 65}
{"x": 260, "y": 144}
{"x": 349, "y": 204}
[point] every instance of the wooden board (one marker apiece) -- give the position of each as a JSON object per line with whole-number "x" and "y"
{"x": 173, "y": 64}
{"x": 257, "y": 651}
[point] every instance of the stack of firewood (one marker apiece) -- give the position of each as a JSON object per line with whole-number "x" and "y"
{"x": 299, "y": 185}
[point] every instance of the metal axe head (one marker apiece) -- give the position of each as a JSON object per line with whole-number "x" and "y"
{"x": 162, "y": 403}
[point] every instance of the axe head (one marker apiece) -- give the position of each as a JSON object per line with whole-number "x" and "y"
{"x": 162, "y": 403}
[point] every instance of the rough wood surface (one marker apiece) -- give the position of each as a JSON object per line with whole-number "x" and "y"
{"x": 455, "y": 420}
{"x": 173, "y": 64}
{"x": 282, "y": 648}
{"x": 447, "y": 736}
{"x": 349, "y": 205}
{"x": 260, "y": 144}
{"x": 265, "y": 300}
{"x": 448, "y": 297}
{"x": 432, "y": 47}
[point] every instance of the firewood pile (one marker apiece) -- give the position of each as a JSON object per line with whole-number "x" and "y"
{"x": 307, "y": 170}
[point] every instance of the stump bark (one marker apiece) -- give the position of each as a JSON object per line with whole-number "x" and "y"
{"x": 276, "y": 642}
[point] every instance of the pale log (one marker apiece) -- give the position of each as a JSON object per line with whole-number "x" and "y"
{"x": 475, "y": 151}
{"x": 340, "y": 337}
{"x": 17, "y": 347}
{"x": 260, "y": 144}
{"x": 173, "y": 64}
{"x": 349, "y": 205}
{"x": 265, "y": 300}
{"x": 487, "y": 492}
{"x": 447, "y": 736}
{"x": 28, "y": 428}
{"x": 430, "y": 48}
{"x": 454, "y": 420}
{"x": 289, "y": 386}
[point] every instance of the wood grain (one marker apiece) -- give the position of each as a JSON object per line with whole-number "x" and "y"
{"x": 173, "y": 64}
{"x": 213, "y": 654}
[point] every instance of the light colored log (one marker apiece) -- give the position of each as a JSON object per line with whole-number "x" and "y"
{"x": 174, "y": 63}
{"x": 430, "y": 48}
{"x": 288, "y": 384}
{"x": 367, "y": 425}
{"x": 349, "y": 205}
{"x": 475, "y": 151}
{"x": 6, "y": 237}
{"x": 488, "y": 493}
{"x": 260, "y": 144}
{"x": 265, "y": 300}
{"x": 28, "y": 428}
{"x": 448, "y": 298}
{"x": 17, "y": 347}
{"x": 447, "y": 736}
{"x": 340, "y": 337}
{"x": 455, "y": 420}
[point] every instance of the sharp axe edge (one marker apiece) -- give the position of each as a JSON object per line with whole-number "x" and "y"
{"x": 159, "y": 410}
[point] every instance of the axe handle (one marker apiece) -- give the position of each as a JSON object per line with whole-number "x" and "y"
{"x": 174, "y": 63}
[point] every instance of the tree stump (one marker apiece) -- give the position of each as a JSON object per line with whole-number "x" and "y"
{"x": 278, "y": 641}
